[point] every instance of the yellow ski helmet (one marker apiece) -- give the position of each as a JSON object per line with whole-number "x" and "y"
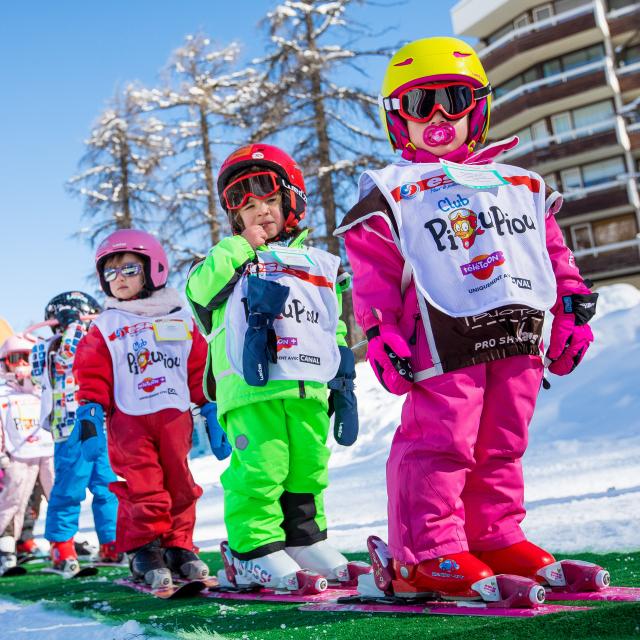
{"x": 434, "y": 60}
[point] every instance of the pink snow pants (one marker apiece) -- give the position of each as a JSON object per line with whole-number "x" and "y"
{"x": 19, "y": 479}
{"x": 454, "y": 473}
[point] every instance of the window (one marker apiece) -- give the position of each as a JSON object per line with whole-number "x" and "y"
{"x": 551, "y": 68}
{"x": 524, "y": 135}
{"x": 583, "y": 56}
{"x": 542, "y": 12}
{"x": 593, "y": 113}
{"x": 614, "y": 230}
{"x": 561, "y": 122}
{"x": 539, "y": 130}
{"x": 566, "y": 5}
{"x": 499, "y": 33}
{"x": 630, "y": 55}
{"x": 571, "y": 179}
{"x": 550, "y": 179}
{"x": 603, "y": 171}
{"x": 582, "y": 236}
{"x": 521, "y": 21}
{"x": 619, "y": 4}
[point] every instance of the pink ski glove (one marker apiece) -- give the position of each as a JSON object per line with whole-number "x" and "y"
{"x": 570, "y": 333}
{"x": 388, "y": 354}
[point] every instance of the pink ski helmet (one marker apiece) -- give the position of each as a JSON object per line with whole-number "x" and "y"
{"x": 156, "y": 264}
{"x": 14, "y": 357}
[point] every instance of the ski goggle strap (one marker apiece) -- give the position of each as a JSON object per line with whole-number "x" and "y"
{"x": 261, "y": 185}
{"x": 127, "y": 270}
{"x": 454, "y": 99}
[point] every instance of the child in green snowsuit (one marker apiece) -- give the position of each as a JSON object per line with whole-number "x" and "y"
{"x": 275, "y": 409}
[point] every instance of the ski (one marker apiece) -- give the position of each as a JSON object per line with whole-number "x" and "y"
{"x": 83, "y": 572}
{"x": 13, "y": 572}
{"x": 184, "y": 590}
{"x": 360, "y": 604}
{"x": 272, "y": 595}
{"x": 608, "y": 594}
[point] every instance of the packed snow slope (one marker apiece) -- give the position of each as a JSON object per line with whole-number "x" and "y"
{"x": 582, "y": 468}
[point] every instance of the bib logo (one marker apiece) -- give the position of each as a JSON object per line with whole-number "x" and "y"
{"x": 482, "y": 266}
{"x": 149, "y": 384}
{"x": 476, "y": 224}
{"x": 409, "y": 190}
{"x": 138, "y": 362}
{"x": 132, "y": 330}
{"x": 464, "y": 223}
{"x": 286, "y": 343}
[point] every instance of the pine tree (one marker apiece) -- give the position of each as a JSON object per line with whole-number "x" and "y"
{"x": 198, "y": 102}
{"x": 119, "y": 177}
{"x": 332, "y": 128}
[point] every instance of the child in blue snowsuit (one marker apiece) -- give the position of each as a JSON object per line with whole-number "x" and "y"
{"x": 52, "y": 368}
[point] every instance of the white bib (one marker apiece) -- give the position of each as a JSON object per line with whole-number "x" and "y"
{"x": 306, "y": 331}
{"x": 149, "y": 358}
{"x": 24, "y": 437}
{"x": 470, "y": 249}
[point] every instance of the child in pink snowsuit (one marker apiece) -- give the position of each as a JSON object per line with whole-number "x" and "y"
{"x": 453, "y": 271}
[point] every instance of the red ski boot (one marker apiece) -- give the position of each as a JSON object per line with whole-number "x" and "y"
{"x": 457, "y": 576}
{"x": 566, "y": 576}
{"x": 522, "y": 559}
{"x": 108, "y": 553}
{"x": 64, "y": 557}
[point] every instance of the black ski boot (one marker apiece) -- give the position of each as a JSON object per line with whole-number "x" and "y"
{"x": 185, "y": 563}
{"x": 147, "y": 565}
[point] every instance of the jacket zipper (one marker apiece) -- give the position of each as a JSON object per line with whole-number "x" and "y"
{"x": 414, "y": 336}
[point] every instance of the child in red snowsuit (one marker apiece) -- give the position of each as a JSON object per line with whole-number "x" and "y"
{"x": 141, "y": 365}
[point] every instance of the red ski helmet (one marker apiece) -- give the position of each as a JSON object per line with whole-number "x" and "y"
{"x": 156, "y": 264}
{"x": 290, "y": 179}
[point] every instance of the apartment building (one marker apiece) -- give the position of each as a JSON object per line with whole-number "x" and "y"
{"x": 566, "y": 79}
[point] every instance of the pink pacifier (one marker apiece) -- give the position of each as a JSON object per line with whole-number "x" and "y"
{"x": 436, "y": 135}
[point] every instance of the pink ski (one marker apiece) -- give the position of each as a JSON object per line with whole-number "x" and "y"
{"x": 444, "y": 609}
{"x": 608, "y": 594}
{"x": 270, "y": 595}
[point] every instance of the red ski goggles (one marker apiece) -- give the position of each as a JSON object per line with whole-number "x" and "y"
{"x": 260, "y": 185}
{"x": 17, "y": 357}
{"x": 454, "y": 99}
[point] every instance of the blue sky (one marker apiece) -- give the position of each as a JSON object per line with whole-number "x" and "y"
{"x": 61, "y": 63}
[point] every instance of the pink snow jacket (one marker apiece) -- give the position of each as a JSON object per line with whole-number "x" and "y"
{"x": 380, "y": 296}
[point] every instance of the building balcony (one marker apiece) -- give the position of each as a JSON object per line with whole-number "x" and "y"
{"x": 624, "y": 20}
{"x": 609, "y": 260}
{"x": 610, "y": 195}
{"x": 551, "y": 37}
{"x": 629, "y": 78}
{"x": 538, "y": 99}
{"x": 574, "y": 147}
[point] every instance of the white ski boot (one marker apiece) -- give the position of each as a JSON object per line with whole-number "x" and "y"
{"x": 8, "y": 557}
{"x": 324, "y": 559}
{"x": 277, "y": 571}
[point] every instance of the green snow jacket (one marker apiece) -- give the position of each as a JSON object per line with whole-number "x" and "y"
{"x": 210, "y": 283}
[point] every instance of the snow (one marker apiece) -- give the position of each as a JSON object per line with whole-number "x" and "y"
{"x": 581, "y": 468}
{"x": 20, "y": 621}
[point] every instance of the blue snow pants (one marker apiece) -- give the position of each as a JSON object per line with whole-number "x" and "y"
{"x": 74, "y": 475}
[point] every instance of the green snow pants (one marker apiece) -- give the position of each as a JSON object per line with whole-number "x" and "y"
{"x": 278, "y": 471}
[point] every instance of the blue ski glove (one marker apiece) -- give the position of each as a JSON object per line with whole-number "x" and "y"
{"x": 217, "y": 437}
{"x": 265, "y": 300}
{"x": 343, "y": 401}
{"x": 90, "y": 429}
